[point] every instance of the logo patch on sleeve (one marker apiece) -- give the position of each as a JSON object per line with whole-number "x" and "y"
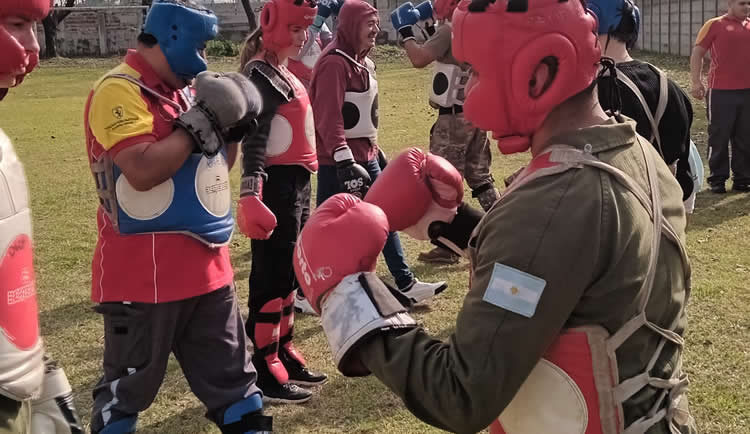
{"x": 514, "y": 290}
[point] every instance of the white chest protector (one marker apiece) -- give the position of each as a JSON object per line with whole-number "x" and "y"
{"x": 360, "y": 110}
{"x": 21, "y": 366}
{"x": 448, "y": 84}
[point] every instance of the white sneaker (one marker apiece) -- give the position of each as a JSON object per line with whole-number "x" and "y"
{"x": 301, "y": 305}
{"x": 420, "y": 291}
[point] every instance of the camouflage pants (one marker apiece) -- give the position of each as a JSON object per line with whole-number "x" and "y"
{"x": 468, "y": 149}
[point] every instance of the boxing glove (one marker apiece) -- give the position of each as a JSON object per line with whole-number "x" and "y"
{"x": 352, "y": 177}
{"x": 54, "y": 412}
{"x": 326, "y": 8}
{"x": 382, "y": 159}
{"x": 402, "y": 18}
{"x": 225, "y": 104}
{"x": 426, "y": 21}
{"x": 254, "y": 218}
{"x": 334, "y": 261}
{"x": 455, "y": 235}
{"x": 416, "y": 190}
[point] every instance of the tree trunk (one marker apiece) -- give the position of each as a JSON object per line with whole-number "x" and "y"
{"x": 250, "y": 14}
{"x": 50, "y": 24}
{"x": 50, "y": 32}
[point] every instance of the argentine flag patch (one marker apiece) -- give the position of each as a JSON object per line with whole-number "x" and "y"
{"x": 514, "y": 290}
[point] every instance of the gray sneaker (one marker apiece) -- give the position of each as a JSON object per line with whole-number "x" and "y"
{"x": 439, "y": 255}
{"x": 301, "y": 305}
{"x": 420, "y": 291}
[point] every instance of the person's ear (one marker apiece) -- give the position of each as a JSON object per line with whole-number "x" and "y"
{"x": 540, "y": 80}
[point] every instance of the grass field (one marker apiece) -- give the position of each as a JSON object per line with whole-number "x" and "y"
{"x": 44, "y": 120}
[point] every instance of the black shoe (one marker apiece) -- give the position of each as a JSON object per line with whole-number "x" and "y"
{"x": 742, "y": 188}
{"x": 273, "y": 391}
{"x": 718, "y": 189}
{"x": 298, "y": 373}
{"x": 288, "y": 393}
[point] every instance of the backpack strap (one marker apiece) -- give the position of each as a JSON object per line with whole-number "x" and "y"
{"x": 661, "y": 106}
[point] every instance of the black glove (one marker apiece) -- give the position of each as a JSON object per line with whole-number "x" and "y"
{"x": 352, "y": 177}
{"x": 429, "y": 28}
{"x": 246, "y": 127}
{"x": 456, "y": 234}
{"x": 406, "y": 33}
{"x": 382, "y": 159}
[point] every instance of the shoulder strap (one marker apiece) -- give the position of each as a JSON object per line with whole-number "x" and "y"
{"x": 273, "y": 76}
{"x": 351, "y": 59}
{"x": 147, "y": 89}
{"x": 655, "y": 136}
{"x": 663, "y": 98}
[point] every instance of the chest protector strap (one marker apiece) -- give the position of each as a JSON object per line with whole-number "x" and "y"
{"x": 576, "y": 383}
{"x": 360, "y": 110}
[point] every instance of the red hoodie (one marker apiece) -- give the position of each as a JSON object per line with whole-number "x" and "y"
{"x": 332, "y": 77}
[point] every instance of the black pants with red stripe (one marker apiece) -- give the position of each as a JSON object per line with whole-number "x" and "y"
{"x": 287, "y": 195}
{"x": 729, "y": 122}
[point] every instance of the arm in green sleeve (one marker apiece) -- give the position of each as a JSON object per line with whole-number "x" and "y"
{"x": 551, "y": 228}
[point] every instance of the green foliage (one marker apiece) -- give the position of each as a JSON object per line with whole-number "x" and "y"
{"x": 222, "y": 48}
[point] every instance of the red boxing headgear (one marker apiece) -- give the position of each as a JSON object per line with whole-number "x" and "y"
{"x": 505, "y": 41}
{"x": 278, "y": 15}
{"x": 14, "y": 55}
{"x": 444, "y": 8}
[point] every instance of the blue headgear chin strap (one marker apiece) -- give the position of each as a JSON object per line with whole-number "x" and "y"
{"x": 609, "y": 13}
{"x": 182, "y": 32}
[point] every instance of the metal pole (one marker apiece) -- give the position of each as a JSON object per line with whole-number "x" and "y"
{"x": 679, "y": 27}
{"x": 651, "y": 23}
{"x": 660, "y": 28}
{"x": 690, "y": 28}
{"x": 100, "y": 8}
{"x": 669, "y": 26}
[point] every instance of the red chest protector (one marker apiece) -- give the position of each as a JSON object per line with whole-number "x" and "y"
{"x": 292, "y": 137}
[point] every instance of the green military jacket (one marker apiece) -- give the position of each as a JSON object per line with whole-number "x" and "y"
{"x": 589, "y": 238}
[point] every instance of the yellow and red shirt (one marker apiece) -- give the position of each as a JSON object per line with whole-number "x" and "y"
{"x": 148, "y": 268}
{"x": 728, "y": 40}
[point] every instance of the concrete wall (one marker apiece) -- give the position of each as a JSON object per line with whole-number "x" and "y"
{"x": 671, "y": 26}
{"x": 110, "y": 32}
{"x": 668, "y": 26}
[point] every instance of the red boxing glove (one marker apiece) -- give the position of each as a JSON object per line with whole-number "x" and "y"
{"x": 254, "y": 218}
{"x": 343, "y": 236}
{"x": 417, "y": 189}
{"x": 334, "y": 261}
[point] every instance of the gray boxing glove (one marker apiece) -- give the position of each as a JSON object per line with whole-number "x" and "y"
{"x": 225, "y": 104}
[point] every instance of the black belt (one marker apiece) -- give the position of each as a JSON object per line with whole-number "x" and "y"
{"x": 456, "y": 109}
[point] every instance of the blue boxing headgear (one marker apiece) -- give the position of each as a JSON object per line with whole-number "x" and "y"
{"x": 610, "y": 13}
{"x": 182, "y": 32}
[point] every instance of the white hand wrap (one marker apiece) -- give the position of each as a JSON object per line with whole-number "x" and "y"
{"x": 357, "y": 307}
{"x": 54, "y": 412}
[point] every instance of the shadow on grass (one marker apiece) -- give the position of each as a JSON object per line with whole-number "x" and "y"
{"x": 714, "y": 209}
{"x": 191, "y": 417}
{"x": 64, "y": 318}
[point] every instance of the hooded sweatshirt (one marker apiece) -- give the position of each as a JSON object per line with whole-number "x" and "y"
{"x": 332, "y": 77}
